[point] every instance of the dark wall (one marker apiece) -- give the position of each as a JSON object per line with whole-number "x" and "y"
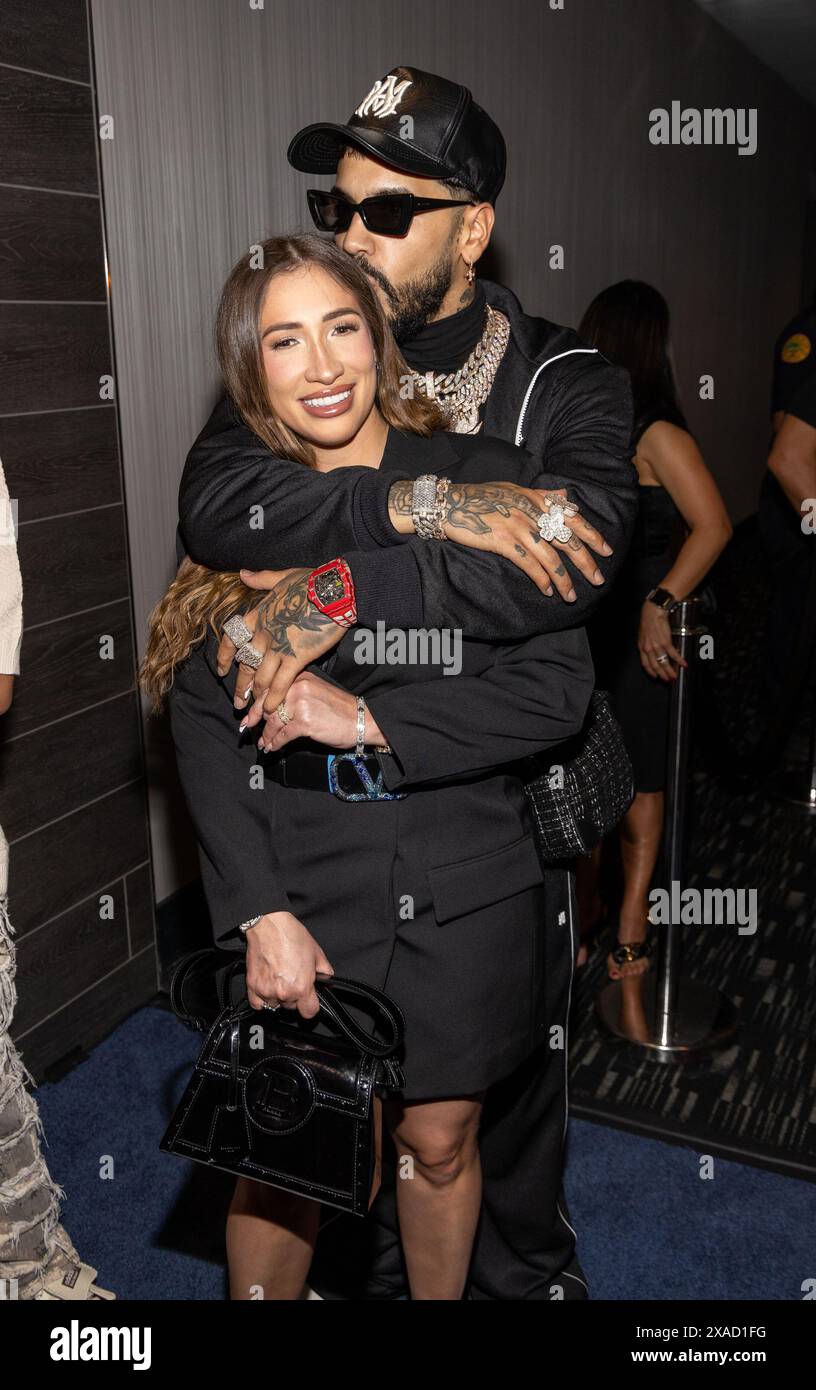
{"x": 72, "y": 786}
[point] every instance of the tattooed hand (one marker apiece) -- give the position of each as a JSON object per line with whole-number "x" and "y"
{"x": 289, "y": 631}
{"x": 503, "y": 518}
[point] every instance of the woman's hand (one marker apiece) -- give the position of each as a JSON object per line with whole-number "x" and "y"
{"x": 320, "y": 711}
{"x": 282, "y": 961}
{"x": 503, "y": 518}
{"x": 654, "y": 641}
{"x": 290, "y": 633}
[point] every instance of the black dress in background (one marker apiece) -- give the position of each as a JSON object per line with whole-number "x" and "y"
{"x": 640, "y": 701}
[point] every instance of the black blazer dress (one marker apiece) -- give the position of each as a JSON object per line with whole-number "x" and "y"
{"x": 439, "y": 898}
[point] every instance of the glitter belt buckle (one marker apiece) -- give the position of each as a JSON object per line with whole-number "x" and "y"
{"x": 371, "y": 790}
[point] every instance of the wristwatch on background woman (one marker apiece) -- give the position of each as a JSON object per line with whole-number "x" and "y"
{"x": 331, "y": 589}
{"x": 661, "y": 598}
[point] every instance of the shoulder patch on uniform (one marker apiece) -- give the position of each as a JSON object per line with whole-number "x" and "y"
{"x": 796, "y": 348}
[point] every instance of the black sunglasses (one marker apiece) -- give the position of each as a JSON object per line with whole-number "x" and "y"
{"x": 386, "y": 214}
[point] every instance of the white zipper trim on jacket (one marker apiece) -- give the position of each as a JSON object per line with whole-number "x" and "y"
{"x": 519, "y": 440}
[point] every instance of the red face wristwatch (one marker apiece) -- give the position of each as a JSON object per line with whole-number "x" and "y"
{"x": 331, "y": 589}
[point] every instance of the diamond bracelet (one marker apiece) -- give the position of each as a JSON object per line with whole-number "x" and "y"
{"x": 428, "y": 506}
{"x": 361, "y": 714}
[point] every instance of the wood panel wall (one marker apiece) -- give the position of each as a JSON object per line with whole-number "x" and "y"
{"x": 72, "y": 780}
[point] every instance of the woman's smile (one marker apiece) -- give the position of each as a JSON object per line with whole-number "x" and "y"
{"x": 335, "y": 401}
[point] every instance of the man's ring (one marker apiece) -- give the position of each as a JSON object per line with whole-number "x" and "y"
{"x": 551, "y": 524}
{"x": 555, "y": 499}
{"x": 249, "y": 656}
{"x": 237, "y": 630}
{"x": 283, "y": 713}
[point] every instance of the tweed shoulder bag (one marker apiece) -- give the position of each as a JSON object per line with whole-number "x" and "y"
{"x": 583, "y": 787}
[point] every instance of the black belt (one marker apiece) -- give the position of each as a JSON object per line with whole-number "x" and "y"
{"x": 358, "y": 777}
{"x": 347, "y": 775}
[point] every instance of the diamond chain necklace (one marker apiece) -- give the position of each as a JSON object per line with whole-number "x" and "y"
{"x": 460, "y": 394}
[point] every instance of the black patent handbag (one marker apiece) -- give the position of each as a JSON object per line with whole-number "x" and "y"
{"x": 274, "y": 1099}
{"x": 583, "y": 787}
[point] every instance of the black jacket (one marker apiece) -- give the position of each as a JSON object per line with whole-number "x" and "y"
{"x": 510, "y": 699}
{"x": 576, "y": 422}
{"x": 577, "y": 426}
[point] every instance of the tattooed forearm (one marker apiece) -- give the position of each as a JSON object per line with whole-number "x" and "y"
{"x": 288, "y": 605}
{"x": 474, "y": 509}
{"x": 470, "y": 505}
{"x": 466, "y": 502}
{"x": 399, "y": 497}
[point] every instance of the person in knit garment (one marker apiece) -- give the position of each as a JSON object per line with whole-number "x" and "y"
{"x": 37, "y": 1257}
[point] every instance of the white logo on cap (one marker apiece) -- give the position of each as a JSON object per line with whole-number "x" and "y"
{"x": 384, "y": 97}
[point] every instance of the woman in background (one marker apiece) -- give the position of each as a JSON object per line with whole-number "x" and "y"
{"x": 682, "y": 527}
{"x": 37, "y": 1257}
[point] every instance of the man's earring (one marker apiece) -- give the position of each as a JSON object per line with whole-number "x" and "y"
{"x": 471, "y": 275}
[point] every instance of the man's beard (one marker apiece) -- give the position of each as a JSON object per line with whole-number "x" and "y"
{"x": 415, "y": 303}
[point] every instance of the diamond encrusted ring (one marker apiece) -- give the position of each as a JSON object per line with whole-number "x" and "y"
{"x": 249, "y": 656}
{"x": 551, "y": 523}
{"x": 237, "y": 630}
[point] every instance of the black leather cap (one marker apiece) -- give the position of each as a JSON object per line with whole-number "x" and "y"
{"x": 447, "y": 137}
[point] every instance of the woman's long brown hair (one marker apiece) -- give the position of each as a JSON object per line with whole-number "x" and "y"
{"x": 199, "y": 597}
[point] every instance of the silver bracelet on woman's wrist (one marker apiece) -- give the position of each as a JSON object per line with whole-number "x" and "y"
{"x": 428, "y": 506}
{"x": 361, "y": 717}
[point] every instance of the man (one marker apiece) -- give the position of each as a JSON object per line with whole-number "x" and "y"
{"x": 787, "y": 521}
{"x": 792, "y": 460}
{"x": 494, "y": 368}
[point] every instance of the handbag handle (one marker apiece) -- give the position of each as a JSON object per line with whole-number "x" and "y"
{"x": 386, "y": 1008}
{"x": 367, "y": 1042}
{"x": 180, "y": 974}
{"x": 184, "y": 971}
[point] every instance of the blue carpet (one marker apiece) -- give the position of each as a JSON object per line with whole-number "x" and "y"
{"x": 649, "y": 1227}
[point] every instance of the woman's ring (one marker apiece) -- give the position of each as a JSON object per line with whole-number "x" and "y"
{"x": 237, "y": 630}
{"x": 662, "y": 658}
{"x": 273, "y": 1007}
{"x": 283, "y": 713}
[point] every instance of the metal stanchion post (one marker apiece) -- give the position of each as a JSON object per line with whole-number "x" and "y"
{"x": 685, "y": 635}
{"x": 674, "y": 1017}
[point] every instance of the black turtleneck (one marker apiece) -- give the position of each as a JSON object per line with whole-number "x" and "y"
{"x": 445, "y": 345}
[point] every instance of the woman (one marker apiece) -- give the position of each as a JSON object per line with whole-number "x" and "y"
{"x": 682, "y": 527}
{"x": 436, "y": 895}
{"x": 37, "y": 1256}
